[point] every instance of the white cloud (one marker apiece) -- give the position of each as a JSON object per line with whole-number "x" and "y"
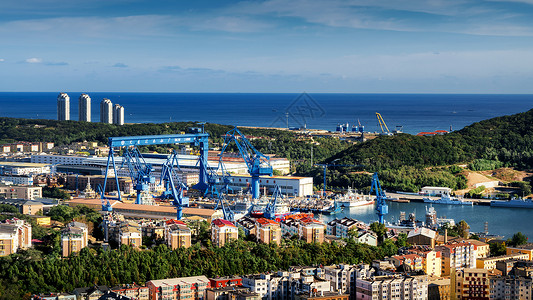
{"x": 34, "y": 60}
{"x": 1, "y": 59}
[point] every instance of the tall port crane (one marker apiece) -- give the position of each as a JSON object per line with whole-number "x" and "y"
{"x": 106, "y": 207}
{"x": 140, "y": 171}
{"x": 218, "y": 180}
{"x": 270, "y": 210}
{"x": 382, "y": 124}
{"x": 229, "y": 215}
{"x": 258, "y": 164}
{"x": 381, "y": 206}
{"x": 174, "y": 187}
{"x": 325, "y": 166}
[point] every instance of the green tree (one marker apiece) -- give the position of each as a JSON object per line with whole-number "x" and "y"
{"x": 518, "y": 239}
{"x": 497, "y": 249}
{"x": 463, "y": 229}
{"x": 379, "y": 229}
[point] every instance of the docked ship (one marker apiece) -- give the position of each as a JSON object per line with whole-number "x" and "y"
{"x": 514, "y": 202}
{"x": 447, "y": 199}
{"x": 353, "y": 199}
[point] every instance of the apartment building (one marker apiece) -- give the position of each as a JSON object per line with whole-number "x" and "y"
{"x": 456, "y": 256}
{"x": 341, "y": 227}
{"x": 184, "y": 288}
{"x": 129, "y": 233}
{"x": 268, "y": 231}
{"x": 311, "y": 230}
{"x": 74, "y": 237}
{"x": 223, "y": 232}
{"x": 432, "y": 260}
{"x": 177, "y": 234}
{"x": 409, "y": 262}
{"x": 15, "y": 234}
{"x": 482, "y": 249}
{"x": 510, "y": 288}
{"x": 393, "y": 287}
{"x": 526, "y": 249}
{"x": 489, "y": 263}
{"x": 470, "y": 284}
{"x": 21, "y": 192}
{"x": 133, "y": 291}
{"x": 342, "y": 278}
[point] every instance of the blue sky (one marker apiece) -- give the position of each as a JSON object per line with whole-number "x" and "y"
{"x": 348, "y": 46}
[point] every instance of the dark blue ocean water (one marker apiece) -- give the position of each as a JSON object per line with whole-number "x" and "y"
{"x": 415, "y": 112}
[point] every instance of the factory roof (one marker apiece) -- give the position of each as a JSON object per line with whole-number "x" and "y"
{"x": 22, "y": 164}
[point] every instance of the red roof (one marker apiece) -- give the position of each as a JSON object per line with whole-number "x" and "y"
{"x": 426, "y": 133}
{"x": 265, "y": 221}
{"x": 222, "y": 223}
{"x": 172, "y": 221}
{"x": 441, "y": 131}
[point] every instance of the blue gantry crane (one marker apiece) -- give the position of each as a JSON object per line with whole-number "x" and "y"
{"x": 140, "y": 171}
{"x": 199, "y": 138}
{"x": 174, "y": 187}
{"x": 270, "y": 210}
{"x": 218, "y": 180}
{"x": 258, "y": 164}
{"x": 229, "y": 215}
{"x": 381, "y": 206}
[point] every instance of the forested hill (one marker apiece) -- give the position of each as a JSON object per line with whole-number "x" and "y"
{"x": 507, "y": 139}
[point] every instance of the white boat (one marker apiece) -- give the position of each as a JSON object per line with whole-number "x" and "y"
{"x": 353, "y": 199}
{"x": 514, "y": 202}
{"x": 447, "y": 199}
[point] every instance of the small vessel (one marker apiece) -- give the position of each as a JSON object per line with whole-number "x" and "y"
{"x": 514, "y": 202}
{"x": 335, "y": 208}
{"x": 353, "y": 199}
{"x": 445, "y": 198}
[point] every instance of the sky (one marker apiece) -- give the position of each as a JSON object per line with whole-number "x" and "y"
{"x": 272, "y": 46}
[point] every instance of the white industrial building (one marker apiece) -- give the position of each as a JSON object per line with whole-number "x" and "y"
{"x": 289, "y": 185}
{"x": 435, "y": 191}
{"x": 22, "y": 168}
{"x": 58, "y": 159}
{"x": 16, "y": 179}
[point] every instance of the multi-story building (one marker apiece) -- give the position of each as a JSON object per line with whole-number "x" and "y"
{"x": 14, "y": 234}
{"x": 25, "y": 207}
{"x": 21, "y": 192}
{"x": 106, "y": 111}
{"x": 129, "y": 234}
{"x": 432, "y": 260}
{"x": 177, "y": 234}
{"x": 470, "y": 284}
{"x": 230, "y": 293}
{"x": 247, "y": 225}
{"x": 342, "y": 278}
{"x": 184, "y": 288}
{"x": 74, "y": 238}
{"x": 223, "y": 232}
{"x": 26, "y": 147}
{"x": 422, "y": 236}
{"x": 482, "y": 249}
{"x": 439, "y": 288}
{"x": 456, "y": 256}
{"x": 366, "y": 237}
{"x": 289, "y": 185}
{"x": 510, "y": 287}
{"x": 230, "y": 281}
{"x": 393, "y": 287}
{"x": 409, "y": 262}
{"x": 489, "y": 263}
{"x": 268, "y": 231}
{"x": 53, "y": 159}
{"x": 63, "y": 107}
{"x": 23, "y": 168}
{"x": 118, "y": 114}
{"x": 526, "y": 249}
{"x": 342, "y": 227}
{"x": 17, "y": 179}
{"x": 311, "y": 230}
{"x": 84, "y": 108}
{"x": 133, "y": 291}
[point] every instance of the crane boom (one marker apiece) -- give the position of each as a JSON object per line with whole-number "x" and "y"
{"x": 174, "y": 186}
{"x": 382, "y": 124}
{"x": 257, "y": 163}
{"x": 381, "y": 206}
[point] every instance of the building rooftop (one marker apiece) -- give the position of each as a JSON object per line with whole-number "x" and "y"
{"x": 181, "y": 280}
{"x": 222, "y": 223}
{"x": 528, "y": 246}
{"x": 422, "y": 231}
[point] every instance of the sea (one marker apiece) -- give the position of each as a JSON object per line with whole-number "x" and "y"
{"x": 412, "y": 113}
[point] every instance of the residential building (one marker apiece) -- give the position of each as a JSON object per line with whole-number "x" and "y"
{"x": 230, "y": 281}
{"x": 439, "y": 288}
{"x": 106, "y": 111}
{"x": 84, "y": 108}
{"x": 321, "y": 296}
{"x": 366, "y": 237}
{"x": 21, "y": 192}
{"x": 408, "y": 262}
{"x": 132, "y": 291}
{"x": 15, "y": 234}
{"x": 129, "y": 233}
{"x": 526, "y": 249}
{"x": 342, "y": 278}
{"x": 223, "y": 232}
{"x": 177, "y": 234}
{"x": 341, "y": 227}
{"x": 229, "y": 293}
{"x": 432, "y": 260}
{"x": 393, "y": 287}
{"x": 482, "y": 249}
{"x": 54, "y": 296}
{"x": 25, "y": 207}
{"x": 184, "y": 288}
{"x": 470, "y": 284}
{"x": 63, "y": 107}
{"x": 118, "y": 114}
{"x": 422, "y": 236}
{"x": 268, "y": 231}
{"x": 247, "y": 225}
{"x": 74, "y": 237}
{"x": 91, "y": 292}
{"x": 456, "y": 256}
{"x": 489, "y": 263}
{"x": 16, "y": 179}
{"x": 311, "y": 230}
{"x": 510, "y": 287}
